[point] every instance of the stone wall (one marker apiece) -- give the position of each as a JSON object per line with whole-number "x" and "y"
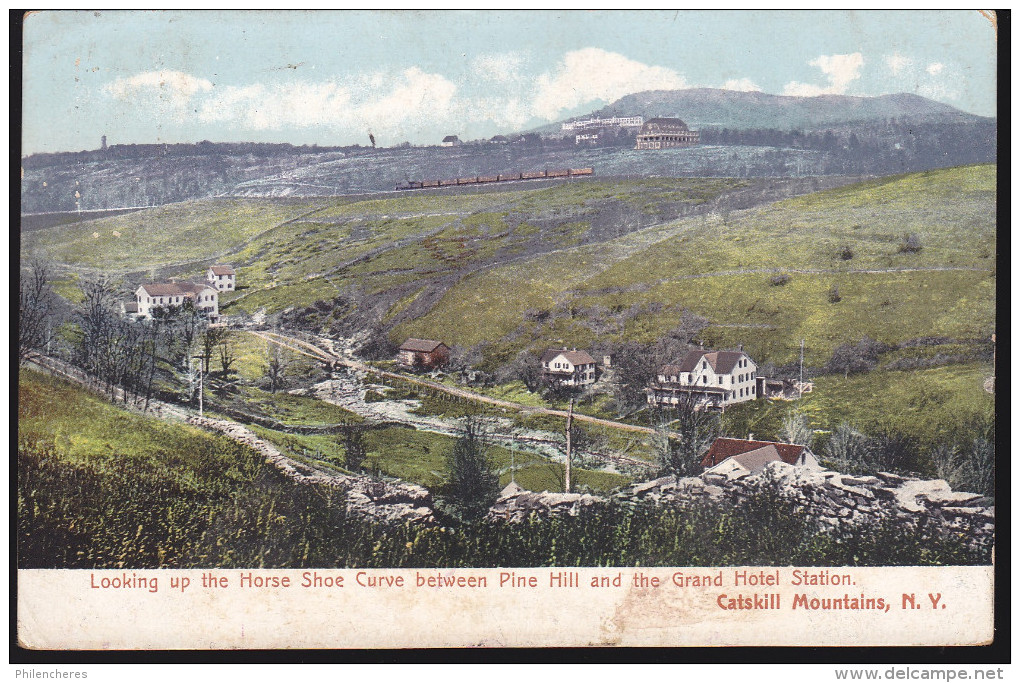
{"x": 831, "y": 498}
{"x": 835, "y": 499}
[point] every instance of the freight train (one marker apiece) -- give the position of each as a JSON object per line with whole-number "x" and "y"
{"x": 501, "y": 178}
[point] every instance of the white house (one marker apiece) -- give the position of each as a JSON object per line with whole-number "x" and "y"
{"x": 451, "y": 141}
{"x": 221, "y": 278}
{"x": 570, "y": 368}
{"x": 733, "y": 457}
{"x": 713, "y": 379}
{"x": 167, "y": 294}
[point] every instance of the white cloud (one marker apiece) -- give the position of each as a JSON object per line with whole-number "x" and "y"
{"x": 935, "y": 68}
{"x": 592, "y": 74}
{"x": 741, "y": 85}
{"x": 840, "y": 70}
{"x": 502, "y": 67}
{"x": 897, "y": 63}
{"x": 171, "y": 88}
{"x": 386, "y": 102}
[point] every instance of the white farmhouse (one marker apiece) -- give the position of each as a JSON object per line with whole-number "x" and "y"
{"x": 570, "y": 368}
{"x": 712, "y": 379}
{"x": 167, "y": 294}
{"x": 221, "y": 278}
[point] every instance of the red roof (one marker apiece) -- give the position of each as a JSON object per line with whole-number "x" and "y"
{"x": 222, "y": 270}
{"x": 421, "y": 345}
{"x": 723, "y": 448}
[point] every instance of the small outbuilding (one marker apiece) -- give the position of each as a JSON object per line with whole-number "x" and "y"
{"x": 427, "y": 354}
{"x": 221, "y": 278}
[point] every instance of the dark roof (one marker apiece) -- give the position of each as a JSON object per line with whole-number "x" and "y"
{"x": 721, "y": 362}
{"x": 131, "y": 307}
{"x": 175, "y": 289}
{"x": 451, "y": 138}
{"x": 422, "y": 345}
{"x": 222, "y": 270}
{"x": 576, "y": 357}
{"x": 723, "y": 448}
{"x": 664, "y": 125}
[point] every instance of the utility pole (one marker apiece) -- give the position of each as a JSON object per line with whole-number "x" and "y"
{"x": 512, "y": 462}
{"x": 200, "y": 391}
{"x": 570, "y": 419}
{"x": 801, "y": 387}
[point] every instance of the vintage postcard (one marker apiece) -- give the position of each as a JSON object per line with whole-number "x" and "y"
{"x": 394, "y": 329}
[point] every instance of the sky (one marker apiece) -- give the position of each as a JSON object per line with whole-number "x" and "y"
{"x": 331, "y": 78}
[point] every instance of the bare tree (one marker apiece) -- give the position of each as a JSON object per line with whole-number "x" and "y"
{"x": 682, "y": 442}
{"x": 276, "y": 365}
{"x": 35, "y": 307}
{"x": 227, "y": 358}
{"x": 211, "y": 338}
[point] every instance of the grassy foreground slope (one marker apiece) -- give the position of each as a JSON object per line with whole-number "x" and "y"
{"x": 99, "y": 487}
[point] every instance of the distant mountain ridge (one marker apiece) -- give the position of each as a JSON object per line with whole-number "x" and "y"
{"x": 712, "y": 107}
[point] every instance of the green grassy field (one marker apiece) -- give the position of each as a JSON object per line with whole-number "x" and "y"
{"x": 696, "y": 264}
{"x": 929, "y": 404}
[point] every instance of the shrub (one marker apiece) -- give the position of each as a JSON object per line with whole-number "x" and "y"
{"x": 844, "y": 253}
{"x": 911, "y": 244}
{"x": 833, "y": 296}
{"x": 779, "y": 280}
{"x": 850, "y": 359}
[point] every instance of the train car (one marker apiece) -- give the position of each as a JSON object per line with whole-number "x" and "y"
{"x": 509, "y": 176}
{"x": 562, "y": 173}
{"x": 415, "y": 184}
{"x": 531, "y": 175}
{"x": 580, "y": 171}
{"x": 467, "y": 181}
{"x": 430, "y": 183}
{"x": 448, "y": 181}
{"x": 488, "y": 178}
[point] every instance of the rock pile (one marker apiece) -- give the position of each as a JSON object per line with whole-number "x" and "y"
{"x": 515, "y": 504}
{"x": 835, "y": 499}
{"x": 377, "y": 499}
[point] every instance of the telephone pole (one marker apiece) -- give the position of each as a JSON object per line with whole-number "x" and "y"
{"x": 570, "y": 419}
{"x": 801, "y": 386}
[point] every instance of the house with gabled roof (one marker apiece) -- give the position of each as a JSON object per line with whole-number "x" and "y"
{"x": 756, "y": 454}
{"x": 451, "y": 141}
{"x": 221, "y": 278}
{"x": 150, "y": 297}
{"x": 711, "y": 379}
{"x": 427, "y": 354}
{"x": 565, "y": 367}
{"x": 751, "y": 462}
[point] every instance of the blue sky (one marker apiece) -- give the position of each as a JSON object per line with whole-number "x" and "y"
{"x": 330, "y": 78}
